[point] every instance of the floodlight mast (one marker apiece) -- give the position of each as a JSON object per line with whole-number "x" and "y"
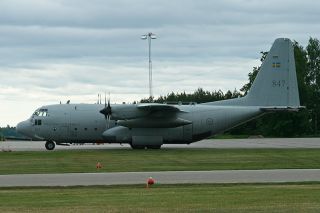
{"x": 149, "y": 37}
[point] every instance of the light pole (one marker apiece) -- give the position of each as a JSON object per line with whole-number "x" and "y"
{"x": 149, "y": 37}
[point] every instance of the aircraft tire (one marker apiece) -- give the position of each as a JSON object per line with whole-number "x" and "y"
{"x": 50, "y": 145}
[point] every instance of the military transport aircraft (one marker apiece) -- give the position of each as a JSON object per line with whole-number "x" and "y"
{"x": 152, "y": 125}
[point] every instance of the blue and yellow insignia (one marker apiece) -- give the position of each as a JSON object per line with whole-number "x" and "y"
{"x": 276, "y": 64}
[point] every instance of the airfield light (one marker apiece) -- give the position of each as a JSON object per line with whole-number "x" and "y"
{"x": 149, "y": 37}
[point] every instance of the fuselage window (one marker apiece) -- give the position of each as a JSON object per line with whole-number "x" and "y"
{"x": 95, "y": 129}
{"x": 76, "y": 129}
{"x": 85, "y": 129}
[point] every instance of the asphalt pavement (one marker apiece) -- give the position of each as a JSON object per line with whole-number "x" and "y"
{"x": 278, "y": 143}
{"x": 171, "y": 177}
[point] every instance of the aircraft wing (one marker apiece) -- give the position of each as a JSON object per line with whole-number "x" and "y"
{"x": 151, "y": 115}
{"x": 154, "y": 107}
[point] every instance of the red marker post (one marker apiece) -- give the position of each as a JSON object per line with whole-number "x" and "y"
{"x": 150, "y": 182}
{"x": 99, "y": 165}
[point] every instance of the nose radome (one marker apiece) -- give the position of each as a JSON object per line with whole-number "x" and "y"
{"x": 24, "y": 128}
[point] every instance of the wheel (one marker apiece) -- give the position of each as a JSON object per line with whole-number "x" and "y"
{"x": 154, "y": 146}
{"x": 50, "y": 145}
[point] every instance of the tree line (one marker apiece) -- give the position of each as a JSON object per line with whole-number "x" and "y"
{"x": 279, "y": 124}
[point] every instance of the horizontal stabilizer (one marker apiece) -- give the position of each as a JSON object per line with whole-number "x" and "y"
{"x": 281, "y": 109}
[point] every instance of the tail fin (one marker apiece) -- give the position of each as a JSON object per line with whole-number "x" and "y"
{"x": 276, "y": 82}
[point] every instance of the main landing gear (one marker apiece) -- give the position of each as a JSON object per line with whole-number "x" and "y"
{"x": 145, "y": 146}
{"x": 50, "y": 145}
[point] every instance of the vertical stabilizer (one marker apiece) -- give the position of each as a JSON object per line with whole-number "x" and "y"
{"x": 276, "y": 82}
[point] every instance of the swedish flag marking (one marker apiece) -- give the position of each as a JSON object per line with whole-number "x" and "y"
{"x": 276, "y": 64}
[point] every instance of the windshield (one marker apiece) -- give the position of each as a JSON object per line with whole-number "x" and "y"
{"x": 41, "y": 112}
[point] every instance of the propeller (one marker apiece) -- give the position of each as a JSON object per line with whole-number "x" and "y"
{"x": 107, "y": 110}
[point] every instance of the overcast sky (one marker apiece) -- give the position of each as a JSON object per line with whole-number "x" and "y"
{"x": 52, "y": 50}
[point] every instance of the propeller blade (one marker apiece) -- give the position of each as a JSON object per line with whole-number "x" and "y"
{"x": 105, "y": 99}
{"x": 108, "y": 121}
{"x": 107, "y": 111}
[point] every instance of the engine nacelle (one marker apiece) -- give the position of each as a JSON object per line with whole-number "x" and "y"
{"x": 122, "y": 134}
{"x": 119, "y": 134}
{"x": 153, "y": 122}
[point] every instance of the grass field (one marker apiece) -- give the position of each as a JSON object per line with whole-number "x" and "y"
{"x": 164, "y": 198}
{"x": 121, "y": 160}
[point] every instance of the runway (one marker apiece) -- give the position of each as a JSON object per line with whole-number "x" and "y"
{"x": 171, "y": 177}
{"x": 277, "y": 143}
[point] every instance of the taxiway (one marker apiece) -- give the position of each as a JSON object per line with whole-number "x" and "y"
{"x": 171, "y": 177}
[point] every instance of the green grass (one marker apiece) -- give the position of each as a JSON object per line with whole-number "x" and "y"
{"x": 121, "y": 160}
{"x": 165, "y": 198}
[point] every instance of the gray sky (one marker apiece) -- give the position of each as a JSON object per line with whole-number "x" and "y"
{"x": 52, "y": 50}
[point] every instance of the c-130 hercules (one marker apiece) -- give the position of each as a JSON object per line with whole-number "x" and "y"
{"x": 152, "y": 125}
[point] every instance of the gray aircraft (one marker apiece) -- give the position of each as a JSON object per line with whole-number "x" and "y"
{"x": 152, "y": 125}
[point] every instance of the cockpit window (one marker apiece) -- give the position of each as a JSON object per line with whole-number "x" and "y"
{"x": 41, "y": 112}
{"x": 36, "y": 113}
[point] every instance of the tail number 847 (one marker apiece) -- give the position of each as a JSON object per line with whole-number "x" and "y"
{"x": 278, "y": 83}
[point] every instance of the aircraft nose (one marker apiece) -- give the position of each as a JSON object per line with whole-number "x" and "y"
{"x": 24, "y": 128}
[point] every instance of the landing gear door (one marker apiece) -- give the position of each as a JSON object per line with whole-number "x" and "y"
{"x": 187, "y": 133}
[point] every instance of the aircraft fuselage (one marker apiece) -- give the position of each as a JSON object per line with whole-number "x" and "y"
{"x": 82, "y": 123}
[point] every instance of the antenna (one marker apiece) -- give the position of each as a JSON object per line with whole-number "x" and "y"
{"x": 149, "y": 36}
